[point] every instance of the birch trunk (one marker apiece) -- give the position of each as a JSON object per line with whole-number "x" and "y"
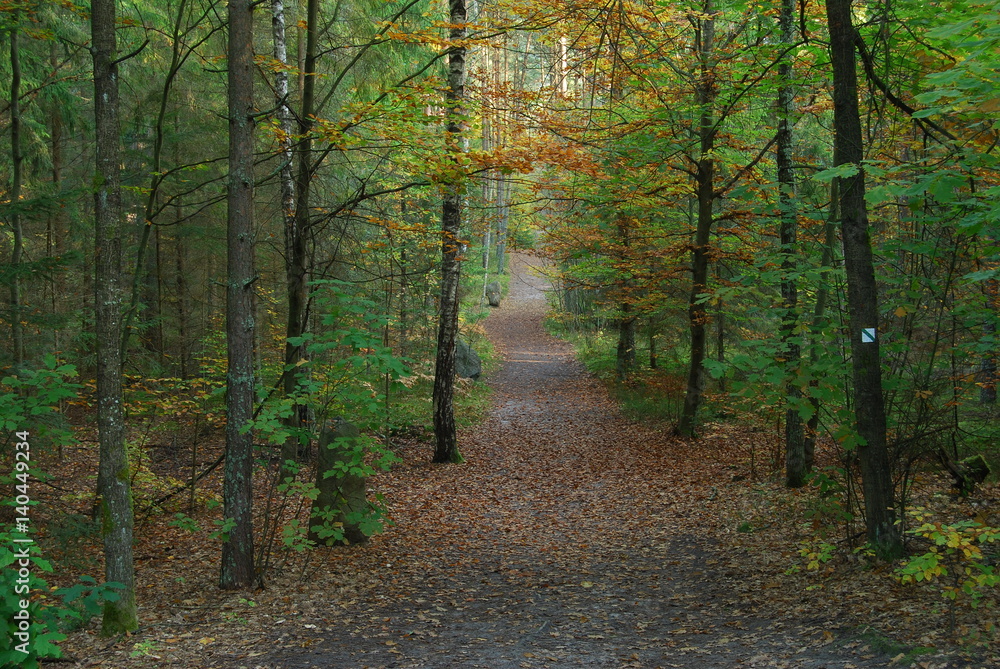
{"x": 446, "y": 440}
{"x": 296, "y": 234}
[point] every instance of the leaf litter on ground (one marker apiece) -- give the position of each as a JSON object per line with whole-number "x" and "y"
{"x": 571, "y": 537}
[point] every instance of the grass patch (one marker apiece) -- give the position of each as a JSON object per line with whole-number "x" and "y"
{"x": 648, "y": 394}
{"x": 900, "y": 653}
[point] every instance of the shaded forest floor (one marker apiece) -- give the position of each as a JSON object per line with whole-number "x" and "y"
{"x": 572, "y": 537}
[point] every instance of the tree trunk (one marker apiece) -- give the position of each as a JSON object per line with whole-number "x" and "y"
{"x": 862, "y": 295}
{"x": 490, "y": 177}
{"x": 297, "y": 221}
{"x": 445, "y": 436}
{"x": 720, "y": 341}
{"x": 502, "y": 187}
{"x": 625, "y": 353}
{"x": 17, "y": 160}
{"x": 819, "y": 318}
{"x": 988, "y": 365}
{"x": 503, "y": 208}
{"x": 795, "y": 458}
{"x": 56, "y": 223}
{"x": 652, "y": 343}
{"x": 113, "y": 481}
{"x": 697, "y": 313}
{"x": 180, "y": 288}
{"x": 295, "y": 196}
{"x": 237, "y": 548}
{"x": 147, "y": 270}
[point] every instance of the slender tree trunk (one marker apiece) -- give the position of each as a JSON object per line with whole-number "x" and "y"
{"x": 503, "y": 207}
{"x": 490, "y": 178}
{"x": 56, "y": 224}
{"x": 445, "y": 436}
{"x": 625, "y": 354}
{"x": 862, "y": 295}
{"x": 146, "y": 268}
{"x": 697, "y": 313}
{"x": 503, "y": 182}
{"x": 285, "y": 116}
{"x": 297, "y": 222}
{"x": 180, "y": 286}
{"x": 819, "y": 319}
{"x": 237, "y": 549}
{"x": 113, "y": 482}
{"x": 720, "y": 341}
{"x": 795, "y": 458}
{"x": 653, "y": 355}
{"x": 988, "y": 366}
{"x": 17, "y": 160}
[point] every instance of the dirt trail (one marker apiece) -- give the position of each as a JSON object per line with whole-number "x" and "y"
{"x": 569, "y": 539}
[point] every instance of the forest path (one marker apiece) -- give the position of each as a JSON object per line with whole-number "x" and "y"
{"x": 570, "y": 538}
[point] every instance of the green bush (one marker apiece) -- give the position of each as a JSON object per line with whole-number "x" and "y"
{"x": 32, "y": 632}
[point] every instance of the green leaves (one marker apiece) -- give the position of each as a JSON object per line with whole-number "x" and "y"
{"x": 838, "y": 172}
{"x": 35, "y": 393}
{"x": 49, "y": 616}
{"x": 956, "y": 550}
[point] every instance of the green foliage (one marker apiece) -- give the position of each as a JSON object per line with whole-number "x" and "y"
{"x": 814, "y": 553}
{"x": 348, "y": 372}
{"x": 827, "y": 506}
{"x": 826, "y": 512}
{"x": 348, "y": 362}
{"x": 68, "y": 533}
{"x": 956, "y": 562}
{"x": 144, "y": 648}
{"x": 185, "y": 522}
{"x": 323, "y": 523}
{"x": 47, "y": 618}
{"x": 223, "y": 527}
{"x": 30, "y": 399}
{"x": 366, "y": 458}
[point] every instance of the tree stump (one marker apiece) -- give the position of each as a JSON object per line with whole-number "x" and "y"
{"x": 341, "y": 492}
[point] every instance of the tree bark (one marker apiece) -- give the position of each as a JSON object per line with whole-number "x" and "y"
{"x": 237, "y": 548}
{"x": 295, "y": 204}
{"x": 446, "y": 439}
{"x": 113, "y": 484}
{"x": 820, "y": 317}
{"x": 55, "y": 229}
{"x": 147, "y": 270}
{"x": 697, "y": 313}
{"x": 862, "y": 294}
{"x": 625, "y": 353}
{"x": 17, "y": 160}
{"x": 988, "y": 365}
{"x": 795, "y": 457}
